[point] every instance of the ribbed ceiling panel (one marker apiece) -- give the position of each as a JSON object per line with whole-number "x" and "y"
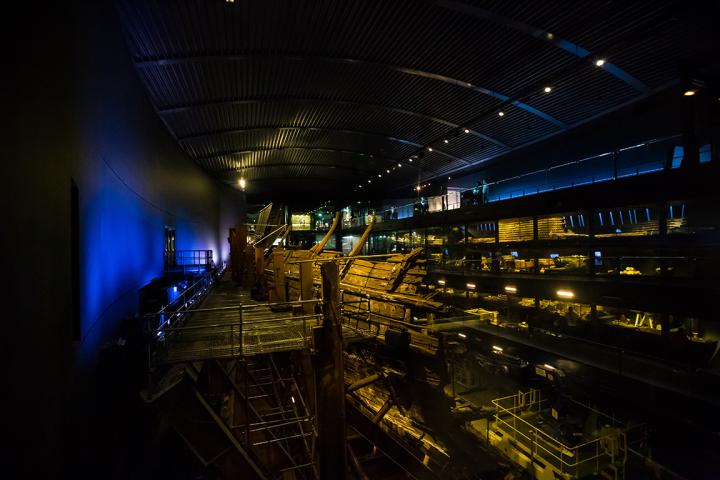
{"x": 286, "y": 137}
{"x": 193, "y": 83}
{"x": 316, "y": 83}
{"x": 585, "y": 95}
{"x": 302, "y": 113}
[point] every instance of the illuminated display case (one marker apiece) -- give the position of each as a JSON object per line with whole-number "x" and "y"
{"x": 516, "y": 261}
{"x": 515, "y": 229}
{"x": 562, "y": 226}
{"x": 692, "y": 218}
{"x": 405, "y": 241}
{"x": 436, "y": 239}
{"x": 563, "y": 261}
{"x": 633, "y": 221}
{"x": 381, "y": 242}
{"x": 300, "y": 221}
{"x": 481, "y": 233}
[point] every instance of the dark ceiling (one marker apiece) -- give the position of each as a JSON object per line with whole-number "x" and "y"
{"x": 307, "y": 96}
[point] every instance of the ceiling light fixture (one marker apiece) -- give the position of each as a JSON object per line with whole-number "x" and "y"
{"x": 388, "y": 170}
{"x": 399, "y": 165}
{"x": 501, "y": 114}
{"x": 369, "y": 181}
{"x": 547, "y": 89}
{"x": 689, "y": 93}
{"x": 599, "y": 62}
{"x": 242, "y": 183}
{"x": 429, "y": 149}
{"x": 466, "y": 130}
{"x": 410, "y": 160}
{"x": 446, "y": 141}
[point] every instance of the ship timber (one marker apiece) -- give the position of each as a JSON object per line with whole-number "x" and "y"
{"x": 381, "y": 296}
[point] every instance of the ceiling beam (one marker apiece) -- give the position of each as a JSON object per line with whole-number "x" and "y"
{"x": 354, "y": 62}
{"x": 254, "y": 101}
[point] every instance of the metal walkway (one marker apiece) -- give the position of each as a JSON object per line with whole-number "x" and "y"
{"x": 227, "y": 323}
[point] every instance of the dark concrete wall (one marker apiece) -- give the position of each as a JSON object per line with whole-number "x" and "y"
{"x": 78, "y": 111}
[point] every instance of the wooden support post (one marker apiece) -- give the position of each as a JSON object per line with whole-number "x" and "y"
{"x": 258, "y": 291}
{"x": 329, "y": 382}
{"x": 278, "y": 260}
{"x": 306, "y": 287}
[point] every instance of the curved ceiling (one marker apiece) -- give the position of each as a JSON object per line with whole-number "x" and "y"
{"x": 338, "y": 92}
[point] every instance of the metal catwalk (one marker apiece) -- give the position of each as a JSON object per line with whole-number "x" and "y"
{"x": 228, "y": 323}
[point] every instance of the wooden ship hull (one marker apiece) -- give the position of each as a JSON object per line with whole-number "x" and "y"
{"x": 387, "y": 296}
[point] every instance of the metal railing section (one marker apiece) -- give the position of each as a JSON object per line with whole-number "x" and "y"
{"x": 510, "y": 416}
{"x": 614, "y": 172}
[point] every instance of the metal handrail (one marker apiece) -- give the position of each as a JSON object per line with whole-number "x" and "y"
{"x": 558, "y": 446}
{"x": 545, "y": 187}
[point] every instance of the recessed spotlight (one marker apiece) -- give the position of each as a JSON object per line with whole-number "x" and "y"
{"x": 466, "y": 130}
{"x": 399, "y": 164}
{"x": 410, "y": 160}
{"x": 369, "y": 181}
{"x": 418, "y": 188}
{"x": 429, "y": 149}
{"x": 549, "y": 36}
{"x": 547, "y": 89}
{"x": 379, "y": 175}
{"x": 446, "y": 141}
{"x": 599, "y": 62}
{"x": 501, "y": 114}
{"x": 388, "y": 170}
{"x": 449, "y": 178}
{"x": 689, "y": 93}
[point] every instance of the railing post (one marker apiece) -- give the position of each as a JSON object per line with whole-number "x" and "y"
{"x": 240, "y": 331}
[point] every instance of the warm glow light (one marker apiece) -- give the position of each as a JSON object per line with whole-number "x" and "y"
{"x": 466, "y": 130}
{"x": 599, "y": 62}
{"x": 418, "y": 188}
{"x": 549, "y": 367}
{"x": 441, "y": 282}
{"x": 548, "y": 89}
{"x": 497, "y": 349}
{"x": 462, "y": 335}
{"x": 501, "y": 114}
{"x": 470, "y": 286}
{"x": 565, "y": 294}
{"x": 242, "y": 183}
{"x": 689, "y": 93}
{"x": 510, "y": 289}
